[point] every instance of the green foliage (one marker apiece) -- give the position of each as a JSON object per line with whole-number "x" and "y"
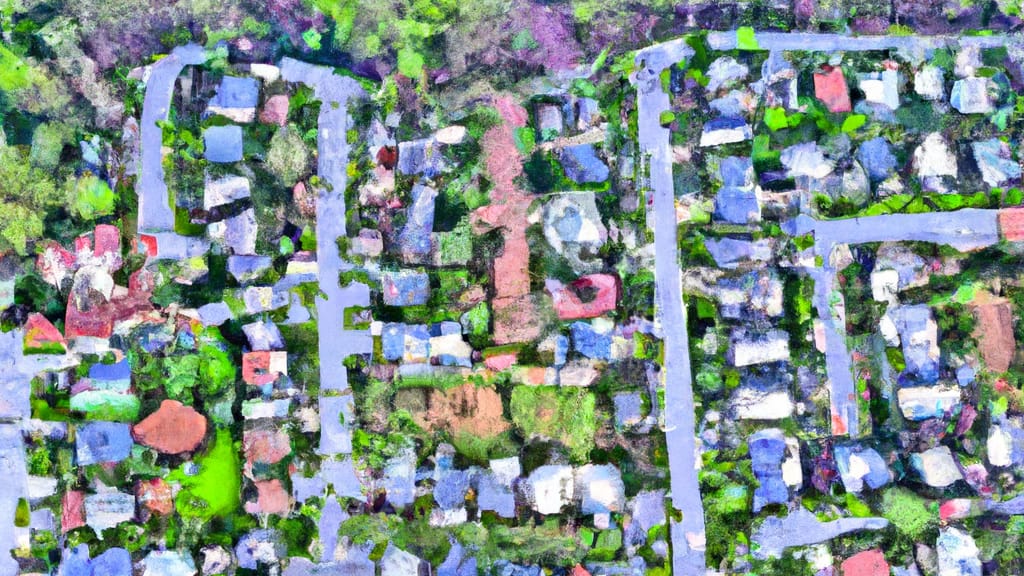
{"x": 746, "y": 39}
{"x": 14, "y": 72}
{"x": 523, "y": 40}
{"x": 47, "y": 144}
{"x": 853, "y": 122}
{"x": 92, "y": 197}
{"x": 312, "y": 38}
{"x": 288, "y": 157}
{"x": 22, "y": 514}
{"x": 608, "y": 543}
{"x": 908, "y": 512}
{"x": 25, "y": 195}
{"x": 564, "y": 414}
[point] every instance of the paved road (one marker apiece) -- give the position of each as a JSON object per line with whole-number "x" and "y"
{"x": 967, "y": 229}
{"x": 688, "y": 537}
{"x": 16, "y": 373}
{"x": 337, "y": 409}
{"x": 155, "y": 214}
{"x": 811, "y": 42}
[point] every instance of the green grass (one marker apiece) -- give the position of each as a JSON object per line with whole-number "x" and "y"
{"x": 215, "y": 490}
{"x": 14, "y": 73}
{"x": 563, "y": 414}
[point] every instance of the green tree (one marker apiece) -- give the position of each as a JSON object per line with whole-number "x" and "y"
{"x": 288, "y": 158}
{"x": 92, "y": 197}
{"x": 25, "y": 195}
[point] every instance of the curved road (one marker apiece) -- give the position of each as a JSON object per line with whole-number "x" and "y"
{"x": 155, "y": 214}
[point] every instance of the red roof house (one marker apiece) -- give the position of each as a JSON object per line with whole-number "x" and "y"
{"x": 1011, "y": 224}
{"x": 588, "y": 297}
{"x": 72, "y": 514}
{"x": 830, "y": 87}
{"x": 867, "y": 563}
{"x": 42, "y": 337}
{"x": 263, "y": 367}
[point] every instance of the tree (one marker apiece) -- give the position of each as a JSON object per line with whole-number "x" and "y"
{"x": 92, "y": 197}
{"x": 25, "y": 195}
{"x": 288, "y": 158}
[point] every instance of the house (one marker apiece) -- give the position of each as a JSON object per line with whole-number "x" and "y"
{"x": 172, "y": 429}
{"x": 421, "y": 157}
{"x": 264, "y": 445}
{"x": 756, "y": 293}
{"x": 214, "y": 313}
{"x": 767, "y": 451}
{"x": 762, "y": 396}
{"x": 302, "y": 267}
{"x": 746, "y": 348}
{"x": 934, "y": 158}
{"x": 725, "y": 130}
{"x": 866, "y": 563}
{"x": 223, "y": 144}
{"x": 116, "y": 376}
{"x": 415, "y": 241}
{"x": 261, "y": 368}
{"x": 247, "y": 268}
{"x": 72, "y": 510}
{"x": 398, "y": 562}
{"x": 1006, "y": 442}
{"x": 831, "y": 89}
{"x": 994, "y": 330}
{"x": 225, "y": 190}
{"x": 237, "y": 232}
{"x": 929, "y": 83}
{"x": 957, "y": 553}
{"x": 98, "y": 442}
{"x": 168, "y": 563}
{"x": 264, "y": 299}
{"x": 995, "y": 161}
{"x": 271, "y": 498}
{"x": 550, "y": 487}
{"x": 881, "y": 88}
{"x": 450, "y": 490}
{"x": 236, "y": 99}
{"x": 971, "y": 95}
{"x": 275, "y": 110}
{"x": 589, "y": 296}
{"x": 731, "y": 253}
{"x": 447, "y": 347}
{"x": 937, "y": 466}
{"x": 1011, "y": 224}
{"x": 919, "y": 335}
{"x": 629, "y": 409}
{"x": 154, "y": 496}
{"x": 600, "y": 489}
{"x": 494, "y": 487}
{"x": 263, "y": 336}
{"x": 42, "y": 337}
{"x": 108, "y": 509}
{"x": 859, "y": 465}
{"x": 582, "y": 165}
{"x": 592, "y": 339}
{"x": 405, "y": 287}
{"x": 263, "y": 546}
{"x": 924, "y": 402}
{"x": 736, "y": 201}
